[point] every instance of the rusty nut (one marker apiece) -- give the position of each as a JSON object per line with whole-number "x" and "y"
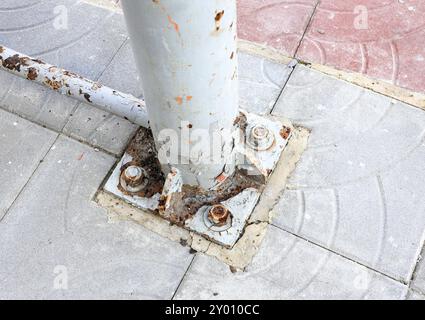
{"x": 133, "y": 179}
{"x": 219, "y": 215}
{"x": 261, "y": 138}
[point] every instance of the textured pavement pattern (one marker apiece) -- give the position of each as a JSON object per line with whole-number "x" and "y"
{"x": 384, "y": 39}
{"x": 358, "y": 188}
{"x": 349, "y": 226}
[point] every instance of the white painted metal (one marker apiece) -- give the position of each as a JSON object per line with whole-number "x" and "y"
{"x": 262, "y": 157}
{"x": 75, "y": 86}
{"x": 186, "y": 52}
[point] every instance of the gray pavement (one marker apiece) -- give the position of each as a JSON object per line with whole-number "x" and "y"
{"x": 358, "y": 188}
{"x": 349, "y": 226}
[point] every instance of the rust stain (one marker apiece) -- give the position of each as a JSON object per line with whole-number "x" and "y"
{"x": 174, "y": 24}
{"x": 285, "y": 132}
{"x": 219, "y": 215}
{"x": 221, "y": 178}
{"x": 15, "y": 62}
{"x": 179, "y": 100}
{"x": 217, "y": 19}
{"x": 185, "y": 204}
{"x": 1, "y": 49}
{"x": 96, "y": 86}
{"x": 38, "y": 61}
{"x": 32, "y": 73}
{"x": 241, "y": 122}
{"x": 55, "y": 85}
{"x": 179, "y": 206}
{"x": 219, "y": 15}
{"x": 71, "y": 74}
{"x": 142, "y": 150}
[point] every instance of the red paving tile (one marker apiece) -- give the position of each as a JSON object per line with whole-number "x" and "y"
{"x": 277, "y": 23}
{"x": 391, "y": 48}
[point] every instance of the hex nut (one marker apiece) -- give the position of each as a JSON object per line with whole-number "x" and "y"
{"x": 261, "y": 138}
{"x": 133, "y": 179}
{"x": 219, "y": 215}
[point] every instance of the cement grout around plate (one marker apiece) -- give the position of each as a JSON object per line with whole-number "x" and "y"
{"x": 247, "y": 246}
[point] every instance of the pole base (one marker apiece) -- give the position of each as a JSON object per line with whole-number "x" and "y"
{"x": 219, "y": 215}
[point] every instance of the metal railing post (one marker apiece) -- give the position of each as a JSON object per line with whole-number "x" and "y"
{"x": 74, "y": 86}
{"x": 186, "y": 52}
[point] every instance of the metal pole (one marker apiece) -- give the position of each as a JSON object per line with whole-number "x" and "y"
{"x": 74, "y": 86}
{"x": 186, "y": 52}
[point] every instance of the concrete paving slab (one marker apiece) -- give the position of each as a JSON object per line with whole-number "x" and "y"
{"x": 260, "y": 82}
{"x": 34, "y": 102}
{"x": 418, "y": 281}
{"x": 23, "y": 145}
{"x": 70, "y": 34}
{"x": 277, "y": 23}
{"x": 122, "y": 74}
{"x": 67, "y": 249}
{"x": 357, "y": 189}
{"x": 380, "y": 38}
{"x": 100, "y": 128}
{"x": 362, "y": 144}
{"x": 413, "y": 295}
{"x": 288, "y": 268}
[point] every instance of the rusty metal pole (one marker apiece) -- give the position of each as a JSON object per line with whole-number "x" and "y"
{"x": 74, "y": 86}
{"x": 186, "y": 52}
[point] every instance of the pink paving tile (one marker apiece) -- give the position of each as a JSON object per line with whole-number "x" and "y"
{"x": 277, "y": 23}
{"x": 391, "y": 47}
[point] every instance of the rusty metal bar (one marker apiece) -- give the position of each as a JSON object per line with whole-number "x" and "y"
{"x": 74, "y": 86}
{"x": 187, "y": 53}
